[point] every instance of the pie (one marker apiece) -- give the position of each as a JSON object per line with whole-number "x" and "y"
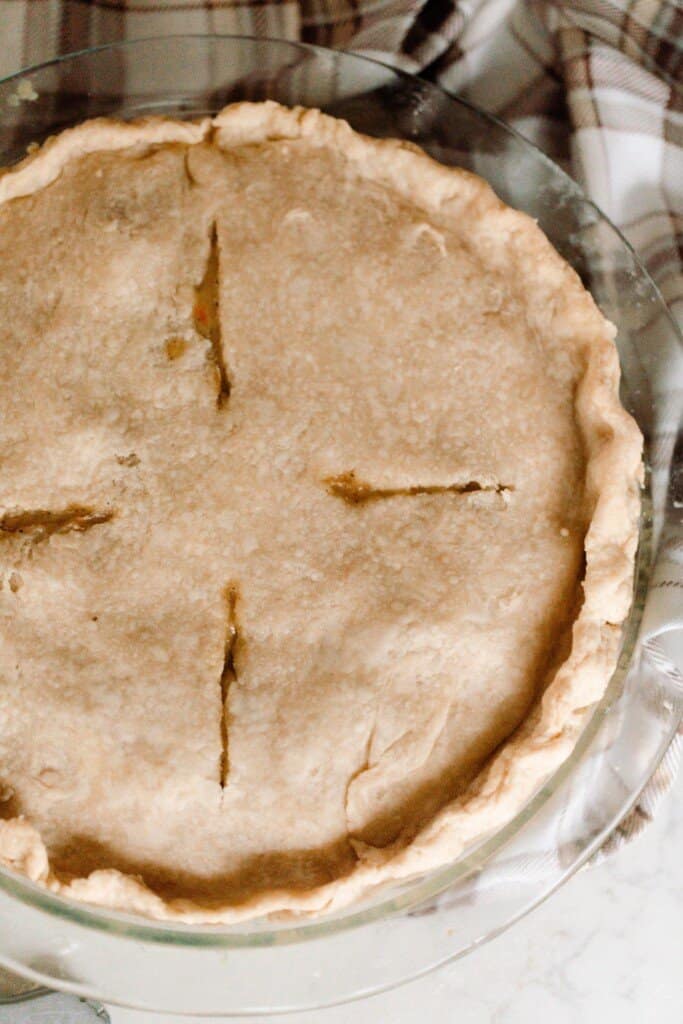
{"x": 318, "y": 512}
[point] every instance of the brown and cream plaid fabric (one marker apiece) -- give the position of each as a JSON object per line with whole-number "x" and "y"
{"x": 597, "y": 84}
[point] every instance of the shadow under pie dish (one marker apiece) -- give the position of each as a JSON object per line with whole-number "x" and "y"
{"x": 318, "y": 518}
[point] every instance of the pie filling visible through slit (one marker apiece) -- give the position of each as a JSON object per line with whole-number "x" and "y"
{"x": 318, "y": 513}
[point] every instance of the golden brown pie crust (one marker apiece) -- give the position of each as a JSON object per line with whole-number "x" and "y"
{"x": 317, "y": 520}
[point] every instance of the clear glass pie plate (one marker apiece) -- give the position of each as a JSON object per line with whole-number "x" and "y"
{"x": 401, "y": 931}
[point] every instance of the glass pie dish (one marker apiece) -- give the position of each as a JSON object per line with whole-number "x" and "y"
{"x": 402, "y": 930}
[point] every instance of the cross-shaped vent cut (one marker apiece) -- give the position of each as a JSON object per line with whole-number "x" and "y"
{"x": 228, "y": 676}
{"x": 206, "y": 314}
{"x": 350, "y": 489}
{"x": 39, "y": 524}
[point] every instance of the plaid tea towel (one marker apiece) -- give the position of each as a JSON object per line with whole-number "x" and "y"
{"x": 597, "y": 84}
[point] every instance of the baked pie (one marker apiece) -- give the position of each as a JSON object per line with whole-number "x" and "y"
{"x": 318, "y": 512}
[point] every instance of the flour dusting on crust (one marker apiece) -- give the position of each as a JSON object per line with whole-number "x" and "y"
{"x": 289, "y": 697}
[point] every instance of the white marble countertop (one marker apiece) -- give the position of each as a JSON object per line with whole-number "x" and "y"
{"x": 606, "y": 948}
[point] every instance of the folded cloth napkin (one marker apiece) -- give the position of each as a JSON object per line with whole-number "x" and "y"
{"x": 597, "y": 84}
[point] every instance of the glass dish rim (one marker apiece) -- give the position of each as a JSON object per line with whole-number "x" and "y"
{"x": 221, "y": 936}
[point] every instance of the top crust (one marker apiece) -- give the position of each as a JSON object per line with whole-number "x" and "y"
{"x": 579, "y": 348}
